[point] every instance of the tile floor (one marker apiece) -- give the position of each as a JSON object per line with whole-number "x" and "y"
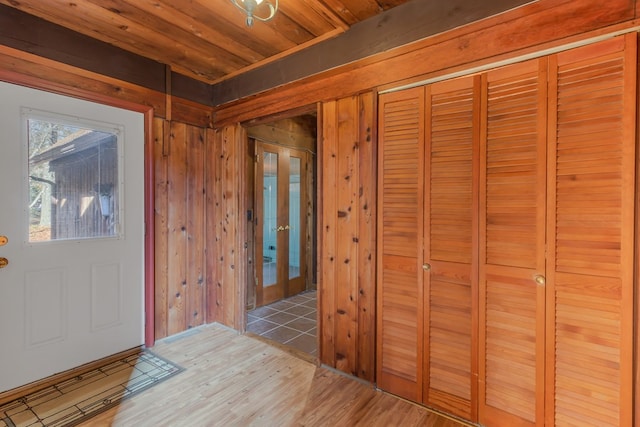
{"x": 291, "y": 321}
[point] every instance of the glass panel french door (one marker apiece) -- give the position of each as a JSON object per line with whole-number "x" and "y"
{"x": 281, "y": 229}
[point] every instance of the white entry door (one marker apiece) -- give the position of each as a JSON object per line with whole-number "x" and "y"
{"x": 71, "y": 233}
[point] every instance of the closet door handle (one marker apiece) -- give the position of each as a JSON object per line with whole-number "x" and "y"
{"x": 426, "y": 267}
{"x": 540, "y": 279}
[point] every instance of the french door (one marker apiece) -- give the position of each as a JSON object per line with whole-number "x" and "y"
{"x": 281, "y": 196}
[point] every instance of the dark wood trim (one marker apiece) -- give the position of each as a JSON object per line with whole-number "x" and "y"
{"x": 31, "y": 34}
{"x": 35, "y": 35}
{"x": 191, "y": 89}
{"x": 399, "y": 26}
{"x": 307, "y": 109}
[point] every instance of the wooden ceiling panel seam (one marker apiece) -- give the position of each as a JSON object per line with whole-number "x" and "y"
{"x": 329, "y": 15}
{"x": 166, "y": 30}
{"x": 228, "y": 23}
{"x": 265, "y": 33}
{"x": 363, "y": 9}
{"x": 338, "y": 7}
{"x": 281, "y": 55}
{"x": 309, "y": 19}
{"x": 191, "y": 25}
{"x": 289, "y": 29}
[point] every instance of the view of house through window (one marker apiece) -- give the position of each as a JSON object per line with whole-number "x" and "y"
{"x": 73, "y": 182}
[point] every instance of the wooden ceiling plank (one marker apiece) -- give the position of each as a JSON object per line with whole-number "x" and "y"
{"x": 97, "y": 24}
{"x": 338, "y": 8}
{"x": 290, "y": 29}
{"x": 329, "y": 14}
{"x": 363, "y": 9}
{"x": 229, "y": 23}
{"x": 165, "y": 10}
{"x": 264, "y": 33}
{"x": 309, "y": 18}
{"x": 165, "y": 34}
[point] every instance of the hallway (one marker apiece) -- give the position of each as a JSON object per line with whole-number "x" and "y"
{"x": 291, "y": 322}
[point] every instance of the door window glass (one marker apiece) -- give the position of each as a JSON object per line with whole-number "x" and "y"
{"x": 294, "y": 217}
{"x": 73, "y": 182}
{"x": 270, "y": 221}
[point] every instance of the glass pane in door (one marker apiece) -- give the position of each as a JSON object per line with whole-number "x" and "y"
{"x": 270, "y": 220}
{"x": 294, "y": 217}
{"x": 73, "y": 182}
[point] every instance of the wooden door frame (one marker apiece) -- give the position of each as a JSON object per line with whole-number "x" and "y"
{"x": 149, "y": 193}
{"x": 314, "y": 179}
{"x": 258, "y": 205}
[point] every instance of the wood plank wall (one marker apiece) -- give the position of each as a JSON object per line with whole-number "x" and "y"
{"x": 200, "y": 252}
{"x": 179, "y": 225}
{"x": 347, "y": 235}
{"x": 226, "y": 225}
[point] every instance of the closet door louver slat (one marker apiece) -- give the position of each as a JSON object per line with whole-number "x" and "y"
{"x": 400, "y": 294}
{"x": 453, "y": 112}
{"x": 591, "y": 176}
{"x": 512, "y": 194}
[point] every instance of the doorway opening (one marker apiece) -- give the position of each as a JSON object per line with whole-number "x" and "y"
{"x": 281, "y": 292}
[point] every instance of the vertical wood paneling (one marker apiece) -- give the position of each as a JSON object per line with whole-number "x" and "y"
{"x": 240, "y": 238}
{"x": 214, "y": 248}
{"x": 160, "y": 218}
{"x": 181, "y": 240}
{"x": 195, "y": 312}
{"x": 328, "y": 231}
{"x": 229, "y": 222}
{"x": 591, "y": 229}
{"x": 512, "y": 250}
{"x": 450, "y": 226}
{"x": 346, "y": 314}
{"x": 348, "y": 265}
{"x": 400, "y": 224}
{"x": 366, "y": 236}
{"x": 177, "y": 236}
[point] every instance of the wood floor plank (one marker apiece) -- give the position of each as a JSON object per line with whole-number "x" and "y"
{"x": 236, "y": 380}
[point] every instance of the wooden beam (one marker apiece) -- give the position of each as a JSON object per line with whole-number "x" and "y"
{"x": 404, "y": 24}
{"x": 28, "y": 33}
{"x": 538, "y": 26}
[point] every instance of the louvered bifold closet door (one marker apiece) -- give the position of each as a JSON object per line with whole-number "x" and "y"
{"x": 400, "y": 293}
{"x": 451, "y": 206}
{"x": 591, "y": 233}
{"x": 512, "y": 247}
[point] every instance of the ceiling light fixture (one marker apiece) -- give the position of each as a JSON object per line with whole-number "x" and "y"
{"x": 248, "y": 6}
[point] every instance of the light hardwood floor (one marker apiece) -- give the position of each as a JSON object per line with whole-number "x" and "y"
{"x": 236, "y": 380}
